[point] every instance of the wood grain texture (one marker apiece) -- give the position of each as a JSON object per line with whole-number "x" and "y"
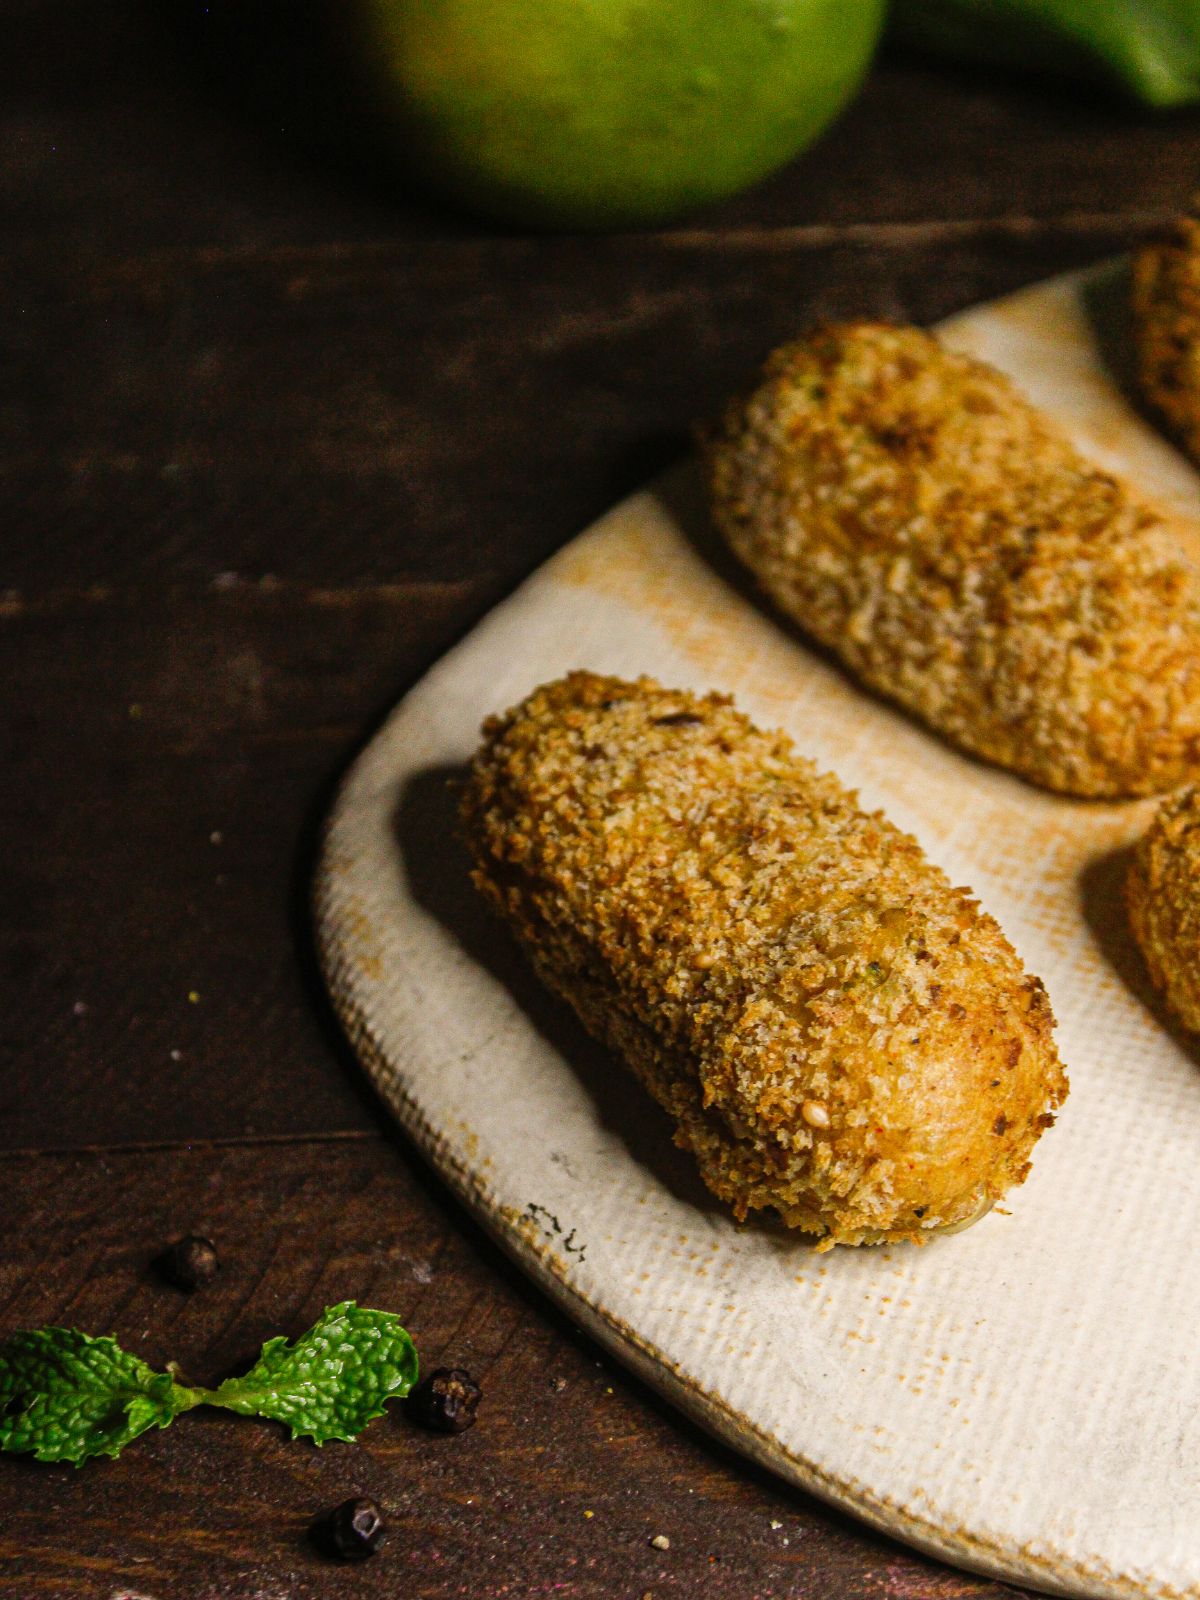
{"x": 218, "y": 1507}
{"x": 164, "y": 772}
{"x": 441, "y": 409}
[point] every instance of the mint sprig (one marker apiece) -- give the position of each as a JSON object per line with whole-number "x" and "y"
{"x": 331, "y": 1382}
{"x": 66, "y": 1396}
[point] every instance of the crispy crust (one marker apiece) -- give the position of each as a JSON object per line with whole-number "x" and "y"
{"x": 1162, "y": 891}
{"x": 1166, "y": 327}
{"x": 909, "y": 509}
{"x": 838, "y": 1032}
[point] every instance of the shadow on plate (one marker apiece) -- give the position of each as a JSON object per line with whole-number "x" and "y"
{"x": 436, "y": 861}
{"x": 681, "y": 491}
{"x": 1105, "y": 300}
{"x": 1102, "y": 892}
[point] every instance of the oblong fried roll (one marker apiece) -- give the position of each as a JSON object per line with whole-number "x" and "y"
{"x": 1166, "y": 328}
{"x": 837, "y": 1032}
{"x": 911, "y": 511}
{"x": 1162, "y": 890}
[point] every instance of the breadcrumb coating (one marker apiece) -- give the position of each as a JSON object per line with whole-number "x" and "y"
{"x": 1166, "y": 327}
{"x": 837, "y": 1032}
{"x": 910, "y": 510}
{"x": 1162, "y": 891}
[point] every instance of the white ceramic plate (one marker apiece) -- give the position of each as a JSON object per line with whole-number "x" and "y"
{"x": 1022, "y": 1399}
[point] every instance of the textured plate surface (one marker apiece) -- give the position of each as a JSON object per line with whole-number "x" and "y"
{"x": 1024, "y": 1398}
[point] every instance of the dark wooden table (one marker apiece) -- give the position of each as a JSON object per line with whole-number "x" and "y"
{"x": 273, "y": 434}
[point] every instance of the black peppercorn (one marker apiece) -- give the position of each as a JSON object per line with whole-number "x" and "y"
{"x": 445, "y": 1400}
{"x": 190, "y": 1263}
{"x": 352, "y": 1531}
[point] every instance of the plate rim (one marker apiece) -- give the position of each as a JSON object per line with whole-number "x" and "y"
{"x": 1054, "y": 1572}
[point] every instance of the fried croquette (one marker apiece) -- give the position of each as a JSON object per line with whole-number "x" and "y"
{"x": 836, "y": 1031}
{"x": 1166, "y": 329}
{"x": 1162, "y": 891}
{"x": 912, "y": 512}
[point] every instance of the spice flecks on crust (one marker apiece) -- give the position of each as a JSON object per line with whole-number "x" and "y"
{"x": 1163, "y": 894}
{"x": 838, "y": 1032}
{"x": 914, "y": 513}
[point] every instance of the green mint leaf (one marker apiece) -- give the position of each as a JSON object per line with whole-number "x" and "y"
{"x": 333, "y": 1380}
{"x": 66, "y": 1396}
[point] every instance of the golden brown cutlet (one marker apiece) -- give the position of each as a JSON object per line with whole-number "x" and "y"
{"x": 910, "y": 510}
{"x": 1166, "y": 328}
{"x": 837, "y": 1032}
{"x": 1163, "y": 894}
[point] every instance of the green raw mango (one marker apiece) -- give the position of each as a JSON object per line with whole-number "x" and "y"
{"x": 605, "y": 113}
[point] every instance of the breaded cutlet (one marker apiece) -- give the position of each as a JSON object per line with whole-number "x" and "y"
{"x": 1166, "y": 328}
{"x": 1162, "y": 891}
{"x": 837, "y": 1032}
{"x": 911, "y": 511}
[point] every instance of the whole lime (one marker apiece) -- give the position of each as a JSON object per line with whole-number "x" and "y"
{"x": 608, "y": 113}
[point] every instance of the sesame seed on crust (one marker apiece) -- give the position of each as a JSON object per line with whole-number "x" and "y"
{"x": 911, "y": 511}
{"x": 836, "y": 1030}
